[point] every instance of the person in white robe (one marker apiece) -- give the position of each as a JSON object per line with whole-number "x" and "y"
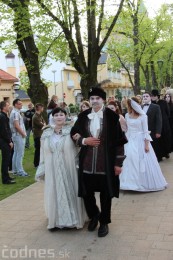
{"x": 141, "y": 171}
{"x": 64, "y": 209}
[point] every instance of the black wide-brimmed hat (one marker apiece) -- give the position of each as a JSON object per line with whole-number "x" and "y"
{"x": 97, "y": 91}
{"x": 155, "y": 92}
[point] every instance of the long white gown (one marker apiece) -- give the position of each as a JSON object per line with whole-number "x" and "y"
{"x": 141, "y": 170}
{"x": 57, "y": 167}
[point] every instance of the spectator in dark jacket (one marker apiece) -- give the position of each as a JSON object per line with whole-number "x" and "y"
{"x": 28, "y": 123}
{"x": 53, "y": 102}
{"x": 5, "y": 142}
{"x": 37, "y": 125}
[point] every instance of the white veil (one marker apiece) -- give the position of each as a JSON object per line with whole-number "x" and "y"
{"x": 137, "y": 107}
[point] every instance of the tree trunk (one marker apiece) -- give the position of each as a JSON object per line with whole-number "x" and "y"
{"x": 87, "y": 82}
{"x": 167, "y": 79}
{"x": 86, "y": 67}
{"x": 137, "y": 77}
{"x": 153, "y": 75}
{"x": 136, "y": 55}
{"x": 37, "y": 90}
{"x": 147, "y": 78}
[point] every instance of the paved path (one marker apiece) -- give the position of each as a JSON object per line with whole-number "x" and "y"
{"x": 142, "y": 228}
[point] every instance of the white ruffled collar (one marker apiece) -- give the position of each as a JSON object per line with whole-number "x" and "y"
{"x": 49, "y": 130}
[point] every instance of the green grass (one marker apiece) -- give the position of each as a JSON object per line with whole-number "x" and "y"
{"x": 21, "y": 182}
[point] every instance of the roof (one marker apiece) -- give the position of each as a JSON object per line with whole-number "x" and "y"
{"x": 10, "y": 55}
{"x": 21, "y": 94}
{"x": 5, "y": 76}
{"x": 103, "y": 58}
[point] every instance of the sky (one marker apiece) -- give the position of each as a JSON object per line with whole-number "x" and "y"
{"x": 154, "y": 5}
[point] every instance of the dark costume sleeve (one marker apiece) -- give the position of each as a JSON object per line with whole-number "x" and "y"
{"x": 158, "y": 121}
{"x": 76, "y": 129}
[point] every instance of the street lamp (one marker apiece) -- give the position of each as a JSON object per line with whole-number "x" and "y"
{"x": 54, "y": 71}
{"x": 160, "y": 65}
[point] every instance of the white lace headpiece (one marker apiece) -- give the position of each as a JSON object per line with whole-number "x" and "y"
{"x": 137, "y": 107}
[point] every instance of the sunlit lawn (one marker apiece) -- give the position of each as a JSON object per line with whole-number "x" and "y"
{"x": 21, "y": 182}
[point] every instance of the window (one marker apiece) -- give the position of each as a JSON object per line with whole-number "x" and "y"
{"x": 68, "y": 76}
{"x": 6, "y": 99}
{"x": 10, "y": 62}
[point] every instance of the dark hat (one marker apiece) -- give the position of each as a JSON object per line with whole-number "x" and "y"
{"x": 155, "y": 92}
{"x": 97, "y": 91}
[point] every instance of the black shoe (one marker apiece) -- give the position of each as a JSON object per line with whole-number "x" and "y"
{"x": 9, "y": 182}
{"x": 167, "y": 156}
{"x": 53, "y": 229}
{"x": 93, "y": 222}
{"x": 160, "y": 159}
{"x": 103, "y": 230}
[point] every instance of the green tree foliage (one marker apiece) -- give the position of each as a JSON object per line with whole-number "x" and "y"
{"x": 60, "y": 29}
{"x": 25, "y": 41}
{"x": 142, "y": 41}
{"x": 81, "y": 23}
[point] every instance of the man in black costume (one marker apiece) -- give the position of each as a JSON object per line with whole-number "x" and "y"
{"x": 165, "y": 140}
{"x": 97, "y": 131}
{"x": 154, "y": 122}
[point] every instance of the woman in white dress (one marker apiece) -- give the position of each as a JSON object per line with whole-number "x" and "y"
{"x": 57, "y": 167}
{"x": 141, "y": 171}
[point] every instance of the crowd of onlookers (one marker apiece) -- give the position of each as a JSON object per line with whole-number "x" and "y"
{"x": 16, "y": 127}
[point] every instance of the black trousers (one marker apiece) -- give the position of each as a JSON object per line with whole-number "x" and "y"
{"x": 11, "y": 159}
{"x": 37, "y": 151}
{"x": 94, "y": 183}
{"x": 6, "y": 156}
{"x": 156, "y": 144}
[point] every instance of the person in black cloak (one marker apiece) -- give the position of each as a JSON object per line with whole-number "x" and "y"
{"x": 98, "y": 132}
{"x": 165, "y": 139}
{"x": 168, "y": 99}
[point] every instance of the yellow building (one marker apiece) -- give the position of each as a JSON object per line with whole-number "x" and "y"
{"x": 69, "y": 89}
{"x": 7, "y": 83}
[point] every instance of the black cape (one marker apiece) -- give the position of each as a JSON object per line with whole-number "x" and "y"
{"x": 113, "y": 138}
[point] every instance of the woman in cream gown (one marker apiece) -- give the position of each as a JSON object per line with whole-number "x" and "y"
{"x": 57, "y": 167}
{"x": 141, "y": 171}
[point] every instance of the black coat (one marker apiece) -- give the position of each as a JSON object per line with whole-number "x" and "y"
{"x": 5, "y": 132}
{"x": 166, "y": 130}
{"x": 155, "y": 126}
{"x": 113, "y": 139}
{"x": 154, "y": 120}
{"x": 29, "y": 114}
{"x": 171, "y": 122}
